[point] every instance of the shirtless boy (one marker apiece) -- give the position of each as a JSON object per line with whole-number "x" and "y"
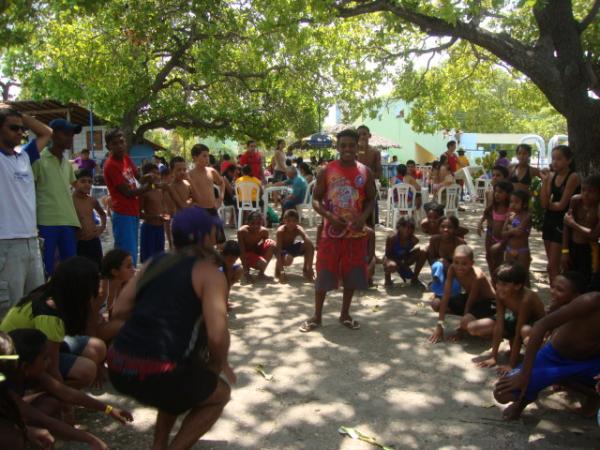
{"x": 288, "y": 247}
{"x": 440, "y": 253}
{"x": 517, "y": 309}
{"x": 572, "y": 353}
{"x": 580, "y": 235}
{"x": 152, "y": 212}
{"x": 181, "y": 192}
{"x": 475, "y": 303}
{"x": 88, "y": 236}
{"x": 255, "y": 246}
{"x": 371, "y": 158}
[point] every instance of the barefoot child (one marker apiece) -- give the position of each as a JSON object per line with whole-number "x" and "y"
{"x": 499, "y": 173}
{"x": 440, "y": 253}
{"x": 477, "y": 301}
{"x": 571, "y": 355}
{"x": 256, "y": 247}
{"x": 152, "y": 212}
{"x": 580, "y": 233}
{"x": 289, "y": 247}
{"x": 495, "y": 215}
{"x": 401, "y": 252}
{"x": 517, "y": 309}
{"x": 516, "y": 230}
{"x": 230, "y": 253}
{"x": 88, "y": 236}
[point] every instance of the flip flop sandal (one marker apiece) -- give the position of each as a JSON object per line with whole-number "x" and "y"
{"x": 309, "y": 325}
{"x": 350, "y": 324}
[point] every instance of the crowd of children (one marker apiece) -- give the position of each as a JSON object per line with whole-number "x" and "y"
{"x": 57, "y": 337}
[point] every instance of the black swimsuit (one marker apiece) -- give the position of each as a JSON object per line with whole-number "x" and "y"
{"x": 526, "y": 178}
{"x": 553, "y": 220}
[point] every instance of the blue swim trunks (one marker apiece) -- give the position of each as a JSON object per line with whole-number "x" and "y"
{"x": 438, "y": 273}
{"x": 551, "y": 368}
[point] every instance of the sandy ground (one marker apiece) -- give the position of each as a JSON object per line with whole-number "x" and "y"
{"x": 385, "y": 380}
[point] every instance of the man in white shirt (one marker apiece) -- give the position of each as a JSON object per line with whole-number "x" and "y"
{"x": 21, "y": 267}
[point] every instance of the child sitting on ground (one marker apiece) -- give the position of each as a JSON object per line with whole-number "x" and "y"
{"x": 572, "y": 355}
{"x": 475, "y": 303}
{"x": 88, "y": 235}
{"x": 152, "y": 212}
{"x": 495, "y": 215}
{"x": 517, "y": 309}
{"x": 517, "y": 228}
{"x": 401, "y": 252}
{"x": 580, "y": 235}
{"x": 116, "y": 270}
{"x": 35, "y": 413}
{"x": 230, "y": 253}
{"x": 289, "y": 247}
{"x": 32, "y": 347}
{"x": 431, "y": 224}
{"x": 440, "y": 253}
{"x": 255, "y": 246}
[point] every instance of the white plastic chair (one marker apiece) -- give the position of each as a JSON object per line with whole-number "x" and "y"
{"x": 269, "y": 191}
{"x": 307, "y": 204}
{"x": 401, "y": 201}
{"x": 481, "y": 187}
{"x": 245, "y": 191}
{"x": 223, "y": 209}
{"x": 452, "y": 194}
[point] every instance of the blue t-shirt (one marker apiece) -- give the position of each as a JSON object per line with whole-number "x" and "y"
{"x": 299, "y": 186}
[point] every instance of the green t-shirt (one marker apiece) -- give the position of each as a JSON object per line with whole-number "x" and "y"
{"x": 35, "y": 314}
{"x": 53, "y": 179}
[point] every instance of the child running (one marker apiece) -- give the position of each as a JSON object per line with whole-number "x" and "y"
{"x": 288, "y": 246}
{"x": 495, "y": 215}
{"x": 517, "y": 309}
{"x": 440, "y": 253}
{"x": 477, "y": 301}
{"x": 571, "y": 355}
{"x": 581, "y": 231}
{"x": 152, "y": 212}
{"x": 401, "y": 252}
{"x": 88, "y": 236}
{"x": 256, "y": 247}
{"x": 517, "y": 228}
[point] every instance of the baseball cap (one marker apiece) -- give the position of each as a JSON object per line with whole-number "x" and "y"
{"x": 190, "y": 225}
{"x": 65, "y": 125}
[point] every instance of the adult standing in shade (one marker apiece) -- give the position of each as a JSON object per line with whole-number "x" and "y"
{"x": 56, "y": 216}
{"x": 21, "y": 269}
{"x": 252, "y": 157}
{"x": 120, "y": 176}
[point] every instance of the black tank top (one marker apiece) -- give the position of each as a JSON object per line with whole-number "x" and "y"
{"x": 167, "y": 322}
{"x": 526, "y": 178}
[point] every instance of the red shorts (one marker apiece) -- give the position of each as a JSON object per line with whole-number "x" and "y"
{"x": 342, "y": 258}
{"x": 256, "y": 254}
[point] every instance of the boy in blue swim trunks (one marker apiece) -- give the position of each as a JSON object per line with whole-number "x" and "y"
{"x": 571, "y": 355}
{"x": 402, "y": 251}
{"x": 288, "y": 247}
{"x": 476, "y": 303}
{"x": 439, "y": 253}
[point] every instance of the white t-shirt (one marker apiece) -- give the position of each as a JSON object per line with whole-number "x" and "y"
{"x": 17, "y": 202}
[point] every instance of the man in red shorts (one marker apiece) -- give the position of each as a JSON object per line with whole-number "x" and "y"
{"x": 344, "y": 195}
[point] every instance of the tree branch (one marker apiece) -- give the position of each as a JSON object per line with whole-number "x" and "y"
{"x": 183, "y": 122}
{"x": 589, "y": 18}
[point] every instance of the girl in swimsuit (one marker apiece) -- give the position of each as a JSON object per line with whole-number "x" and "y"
{"x": 557, "y": 189}
{"x": 516, "y": 230}
{"x": 495, "y": 215}
{"x": 522, "y": 174}
{"x": 401, "y": 252}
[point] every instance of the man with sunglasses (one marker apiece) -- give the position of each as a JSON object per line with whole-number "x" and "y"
{"x": 21, "y": 267}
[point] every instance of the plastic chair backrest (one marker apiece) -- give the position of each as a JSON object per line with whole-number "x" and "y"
{"x": 246, "y": 193}
{"x": 452, "y": 196}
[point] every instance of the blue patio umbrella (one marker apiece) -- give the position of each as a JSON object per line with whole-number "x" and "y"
{"x": 319, "y": 140}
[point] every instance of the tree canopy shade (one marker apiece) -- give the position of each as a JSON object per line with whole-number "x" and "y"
{"x": 555, "y": 43}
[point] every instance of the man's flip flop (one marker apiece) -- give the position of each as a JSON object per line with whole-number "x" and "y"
{"x": 309, "y": 325}
{"x": 350, "y": 324}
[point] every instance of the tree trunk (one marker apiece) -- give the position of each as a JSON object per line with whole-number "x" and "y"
{"x": 584, "y": 140}
{"x": 128, "y": 128}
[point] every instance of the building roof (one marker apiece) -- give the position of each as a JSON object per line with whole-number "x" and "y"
{"x": 47, "y": 110}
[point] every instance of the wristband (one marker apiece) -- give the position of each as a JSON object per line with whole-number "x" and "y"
{"x": 565, "y": 251}
{"x": 108, "y": 410}
{"x": 440, "y": 323}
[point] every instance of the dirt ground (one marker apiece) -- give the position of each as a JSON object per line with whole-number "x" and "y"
{"x": 385, "y": 380}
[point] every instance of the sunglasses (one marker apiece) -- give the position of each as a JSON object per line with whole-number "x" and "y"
{"x": 20, "y": 128}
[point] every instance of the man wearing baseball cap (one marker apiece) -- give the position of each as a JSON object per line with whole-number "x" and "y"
{"x": 53, "y": 175}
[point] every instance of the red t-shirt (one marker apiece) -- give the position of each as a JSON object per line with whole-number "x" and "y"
{"x": 452, "y": 161}
{"x": 254, "y": 160}
{"x": 224, "y": 166}
{"x": 117, "y": 172}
